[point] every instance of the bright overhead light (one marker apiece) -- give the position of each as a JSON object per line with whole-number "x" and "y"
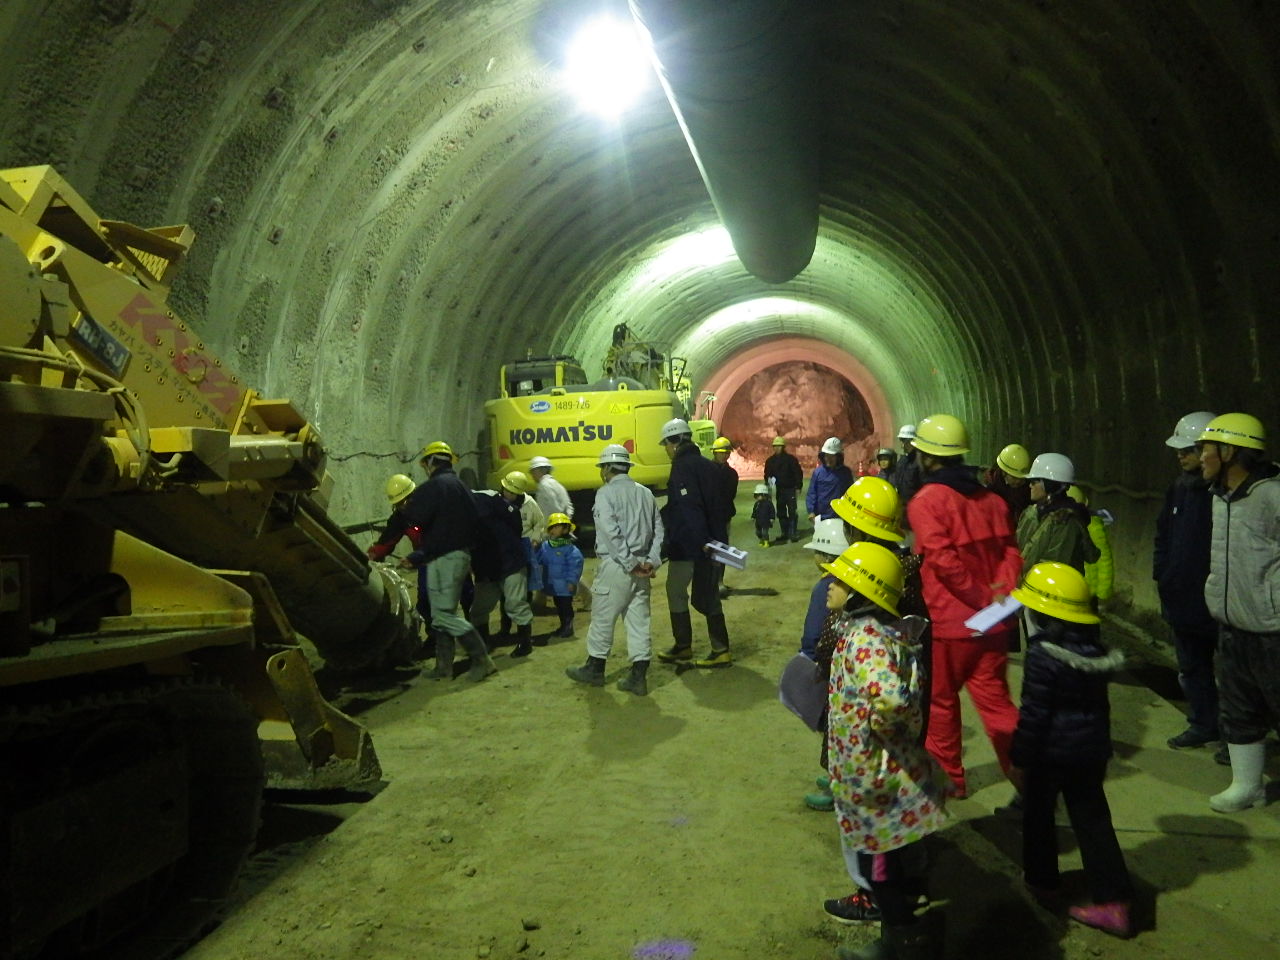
{"x": 606, "y": 66}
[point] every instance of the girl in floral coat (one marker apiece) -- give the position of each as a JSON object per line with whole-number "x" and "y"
{"x": 888, "y": 792}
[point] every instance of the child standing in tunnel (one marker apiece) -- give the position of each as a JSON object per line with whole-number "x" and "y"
{"x": 762, "y": 514}
{"x": 1063, "y": 742}
{"x": 560, "y": 563}
{"x": 887, "y": 791}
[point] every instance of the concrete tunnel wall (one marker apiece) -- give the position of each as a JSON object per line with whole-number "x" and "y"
{"x": 1058, "y": 221}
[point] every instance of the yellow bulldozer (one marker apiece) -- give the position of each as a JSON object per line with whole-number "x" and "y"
{"x": 166, "y": 561}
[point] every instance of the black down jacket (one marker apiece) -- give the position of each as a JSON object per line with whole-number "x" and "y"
{"x": 1065, "y": 716}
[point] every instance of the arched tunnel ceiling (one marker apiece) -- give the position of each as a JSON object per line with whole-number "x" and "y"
{"x": 1056, "y": 220}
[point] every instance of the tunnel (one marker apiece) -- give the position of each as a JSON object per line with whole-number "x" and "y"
{"x": 1055, "y": 221}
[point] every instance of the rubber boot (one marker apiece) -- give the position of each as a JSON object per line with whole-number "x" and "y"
{"x": 444, "y": 657}
{"x": 481, "y": 665}
{"x": 524, "y": 640}
{"x": 635, "y": 681}
{"x": 719, "y": 634}
{"x": 564, "y": 607}
{"x": 1247, "y": 787}
{"x": 591, "y": 673}
{"x": 682, "y": 634}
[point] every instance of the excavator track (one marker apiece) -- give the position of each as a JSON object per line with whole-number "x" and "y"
{"x": 126, "y": 814}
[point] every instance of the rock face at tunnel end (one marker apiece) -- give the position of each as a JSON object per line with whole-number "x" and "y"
{"x": 804, "y": 402}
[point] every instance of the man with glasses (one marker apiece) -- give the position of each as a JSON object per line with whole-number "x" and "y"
{"x": 1180, "y": 568}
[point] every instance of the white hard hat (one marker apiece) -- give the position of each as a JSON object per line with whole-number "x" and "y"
{"x": 1052, "y": 466}
{"x": 537, "y": 462}
{"x": 907, "y": 432}
{"x": 1188, "y": 430}
{"x": 828, "y": 537}
{"x": 614, "y": 453}
{"x": 675, "y": 428}
{"x": 832, "y": 445}
{"x": 762, "y": 488}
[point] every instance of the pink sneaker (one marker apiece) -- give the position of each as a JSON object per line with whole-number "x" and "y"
{"x": 1112, "y": 918}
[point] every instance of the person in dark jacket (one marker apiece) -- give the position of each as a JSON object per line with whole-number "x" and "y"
{"x": 693, "y": 516}
{"x": 830, "y": 479}
{"x": 443, "y": 510}
{"x": 1180, "y": 566}
{"x": 500, "y": 561}
{"x": 398, "y": 489}
{"x": 782, "y": 472}
{"x": 762, "y": 513}
{"x": 908, "y": 475}
{"x": 1063, "y": 742}
{"x": 720, "y": 451}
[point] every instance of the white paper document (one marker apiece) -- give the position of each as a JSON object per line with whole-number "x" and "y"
{"x": 988, "y": 617}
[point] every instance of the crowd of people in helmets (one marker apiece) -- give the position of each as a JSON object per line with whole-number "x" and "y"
{"x": 908, "y": 558}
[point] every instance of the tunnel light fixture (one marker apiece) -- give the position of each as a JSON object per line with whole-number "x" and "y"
{"x": 779, "y": 314}
{"x": 689, "y": 253}
{"x": 607, "y": 67}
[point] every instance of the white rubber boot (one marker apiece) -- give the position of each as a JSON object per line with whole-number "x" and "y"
{"x": 1247, "y": 788}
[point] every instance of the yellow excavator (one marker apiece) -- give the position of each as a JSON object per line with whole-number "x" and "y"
{"x": 168, "y": 573}
{"x": 547, "y": 406}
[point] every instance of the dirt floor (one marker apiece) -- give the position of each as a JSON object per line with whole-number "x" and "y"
{"x": 528, "y": 816}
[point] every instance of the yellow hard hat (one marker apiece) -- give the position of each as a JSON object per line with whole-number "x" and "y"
{"x": 1058, "y": 591}
{"x": 941, "y": 435}
{"x": 517, "y": 482}
{"x": 779, "y": 441}
{"x": 722, "y": 444}
{"x": 871, "y": 505}
{"x": 437, "y": 447}
{"x": 1237, "y": 429}
{"x": 871, "y": 570}
{"x": 399, "y": 487}
{"x": 1078, "y": 495}
{"x": 556, "y": 518}
{"x": 1014, "y": 460}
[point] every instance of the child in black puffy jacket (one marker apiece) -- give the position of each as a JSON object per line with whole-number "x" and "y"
{"x": 1063, "y": 742}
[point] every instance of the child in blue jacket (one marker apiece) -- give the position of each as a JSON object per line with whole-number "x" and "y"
{"x": 561, "y": 565}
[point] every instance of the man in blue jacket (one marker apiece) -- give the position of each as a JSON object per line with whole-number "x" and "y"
{"x": 694, "y": 515}
{"x": 830, "y": 479}
{"x": 1180, "y": 568}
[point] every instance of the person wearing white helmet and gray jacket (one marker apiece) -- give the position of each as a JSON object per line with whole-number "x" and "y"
{"x": 551, "y": 495}
{"x": 1243, "y": 595}
{"x": 830, "y": 479}
{"x": 629, "y": 547}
